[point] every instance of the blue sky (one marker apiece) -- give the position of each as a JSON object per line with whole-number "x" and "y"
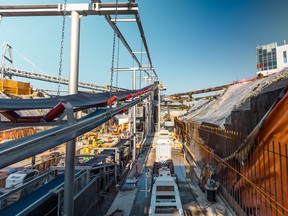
{"x": 193, "y": 44}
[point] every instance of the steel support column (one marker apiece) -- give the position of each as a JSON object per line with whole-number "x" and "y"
{"x": 146, "y": 117}
{"x": 159, "y": 110}
{"x": 73, "y": 89}
{"x": 152, "y": 114}
{"x": 149, "y": 115}
{"x": 134, "y": 118}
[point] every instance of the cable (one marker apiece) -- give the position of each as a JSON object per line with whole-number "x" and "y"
{"x": 113, "y": 57}
{"x": 62, "y": 46}
{"x": 113, "y": 51}
{"x": 30, "y": 62}
{"x": 116, "y": 84}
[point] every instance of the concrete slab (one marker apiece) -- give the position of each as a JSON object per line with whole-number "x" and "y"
{"x": 123, "y": 201}
{"x": 126, "y": 196}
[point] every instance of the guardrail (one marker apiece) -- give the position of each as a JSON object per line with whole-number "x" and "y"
{"x": 33, "y": 185}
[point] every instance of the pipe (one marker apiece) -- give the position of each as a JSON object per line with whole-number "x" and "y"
{"x": 73, "y": 89}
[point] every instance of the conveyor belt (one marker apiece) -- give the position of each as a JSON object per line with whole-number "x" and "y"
{"x": 20, "y": 205}
{"x": 12, "y": 143}
{"x": 24, "y": 202}
{"x": 83, "y": 100}
{"x": 16, "y": 150}
{"x": 45, "y": 190}
{"x": 105, "y": 153}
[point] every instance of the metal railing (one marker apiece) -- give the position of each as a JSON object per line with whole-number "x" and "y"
{"x": 30, "y": 186}
{"x": 85, "y": 179}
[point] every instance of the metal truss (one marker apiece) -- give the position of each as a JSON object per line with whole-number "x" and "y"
{"x": 34, "y": 145}
{"x": 85, "y": 9}
{"x": 53, "y": 79}
{"x": 6, "y": 48}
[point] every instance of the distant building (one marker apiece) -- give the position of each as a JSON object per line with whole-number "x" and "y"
{"x": 271, "y": 58}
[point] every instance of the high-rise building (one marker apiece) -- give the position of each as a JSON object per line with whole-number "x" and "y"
{"x": 271, "y": 58}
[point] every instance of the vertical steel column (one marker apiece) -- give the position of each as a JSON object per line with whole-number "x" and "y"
{"x": 116, "y": 180}
{"x": 150, "y": 116}
{"x": 265, "y": 180}
{"x": 281, "y": 177}
{"x": 275, "y": 178}
{"x": 159, "y": 100}
{"x": 134, "y": 118}
{"x": 153, "y": 112}
{"x": 33, "y": 162}
{"x": 72, "y": 89}
{"x": 146, "y": 118}
{"x": 269, "y": 184}
{"x": 104, "y": 177}
{"x": 3, "y": 66}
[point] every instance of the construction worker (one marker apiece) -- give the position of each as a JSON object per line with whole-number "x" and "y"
{"x": 100, "y": 143}
{"x": 86, "y": 150}
{"x": 94, "y": 143}
{"x": 96, "y": 152}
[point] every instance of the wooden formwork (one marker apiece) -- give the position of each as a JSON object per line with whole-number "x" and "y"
{"x": 15, "y": 87}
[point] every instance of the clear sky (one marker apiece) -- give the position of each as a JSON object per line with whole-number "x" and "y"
{"x": 193, "y": 44}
